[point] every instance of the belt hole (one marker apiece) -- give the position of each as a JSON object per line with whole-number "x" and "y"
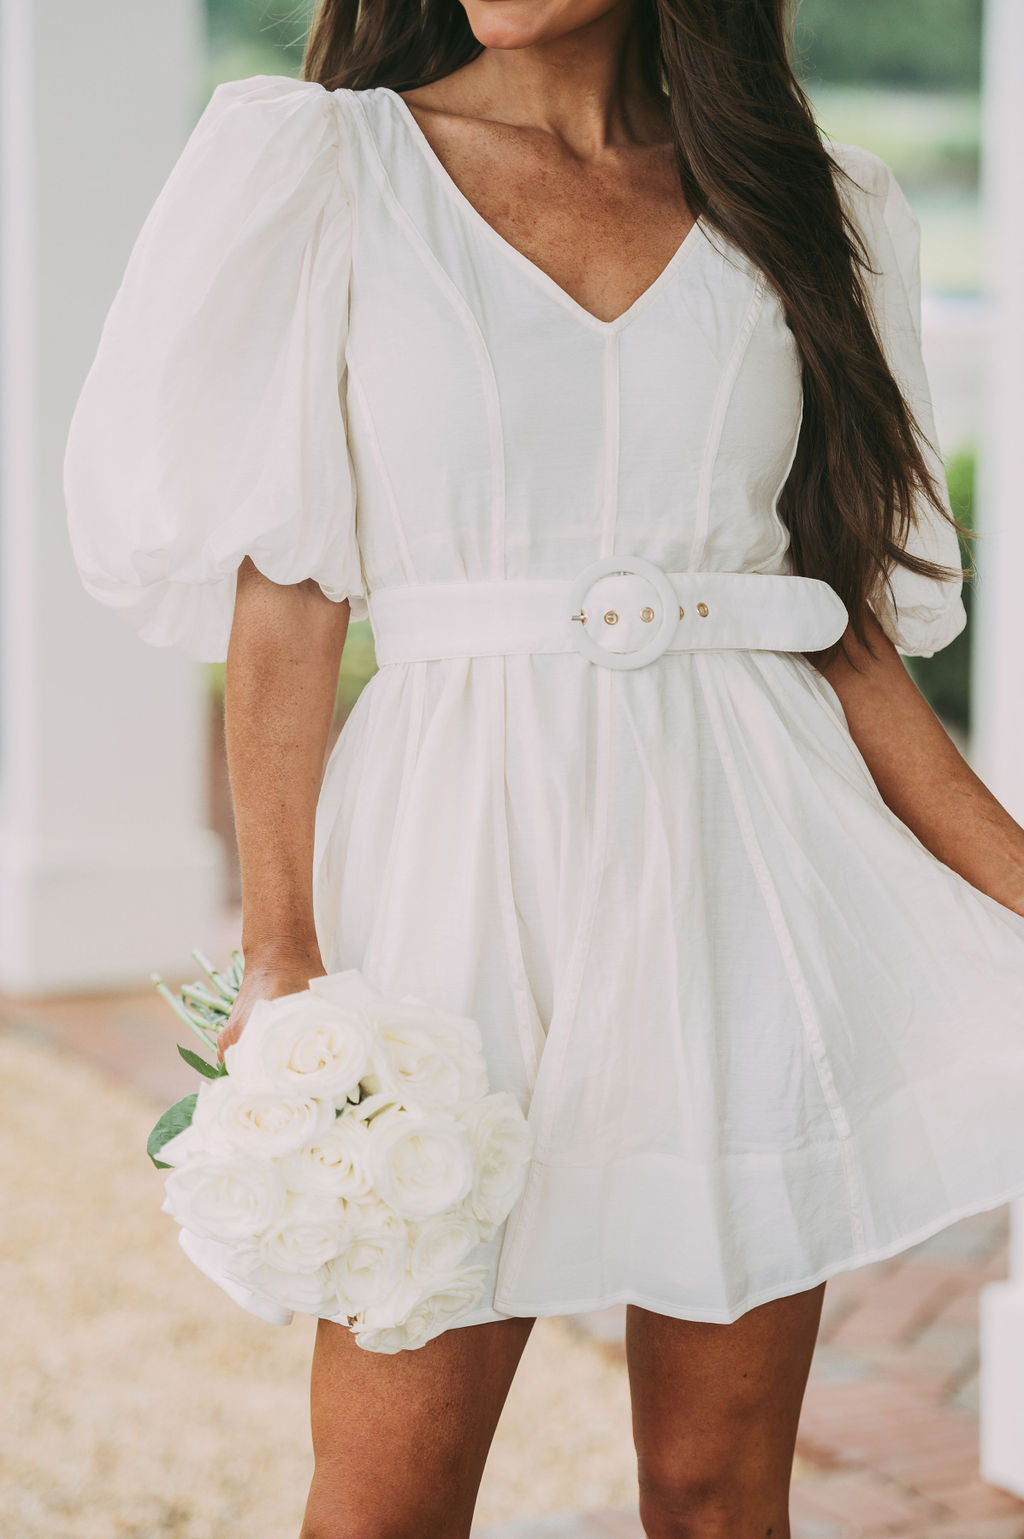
{"x": 682, "y": 611}
{"x": 610, "y": 617}
{"x": 647, "y": 613}
{"x": 702, "y": 610}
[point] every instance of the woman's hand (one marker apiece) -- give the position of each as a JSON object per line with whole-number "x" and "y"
{"x": 267, "y": 979}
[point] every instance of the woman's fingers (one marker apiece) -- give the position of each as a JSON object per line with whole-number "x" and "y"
{"x": 229, "y": 1033}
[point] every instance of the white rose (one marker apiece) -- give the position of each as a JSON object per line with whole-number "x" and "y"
{"x": 486, "y": 1231}
{"x": 334, "y": 1164}
{"x": 440, "y": 1245}
{"x": 501, "y": 1143}
{"x": 227, "y": 1198}
{"x": 373, "y": 1260}
{"x": 302, "y": 1044}
{"x": 420, "y": 1163}
{"x": 264, "y": 1123}
{"x": 307, "y": 1293}
{"x": 465, "y": 1210}
{"x": 424, "y": 1056}
{"x": 307, "y": 1234}
{"x": 423, "y": 1317}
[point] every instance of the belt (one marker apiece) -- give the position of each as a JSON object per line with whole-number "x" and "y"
{"x": 619, "y": 612}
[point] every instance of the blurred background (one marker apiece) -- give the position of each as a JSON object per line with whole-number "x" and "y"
{"x": 139, "y": 1401}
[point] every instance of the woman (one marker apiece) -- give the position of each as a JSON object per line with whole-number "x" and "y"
{"x": 522, "y": 327}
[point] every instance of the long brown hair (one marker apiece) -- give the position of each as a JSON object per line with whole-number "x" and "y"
{"x": 752, "y": 165}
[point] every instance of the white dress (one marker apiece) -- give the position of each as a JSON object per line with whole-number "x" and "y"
{"x": 762, "y": 1033}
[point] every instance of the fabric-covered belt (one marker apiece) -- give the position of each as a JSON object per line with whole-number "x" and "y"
{"x": 620, "y": 612}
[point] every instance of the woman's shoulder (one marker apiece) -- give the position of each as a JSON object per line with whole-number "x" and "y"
{"x": 867, "y": 178}
{"x": 872, "y": 194}
{"x": 261, "y": 135}
{"x": 281, "y": 96}
{"x": 865, "y": 174}
{"x": 272, "y": 101}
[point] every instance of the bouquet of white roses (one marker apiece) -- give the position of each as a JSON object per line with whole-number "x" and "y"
{"x": 345, "y": 1159}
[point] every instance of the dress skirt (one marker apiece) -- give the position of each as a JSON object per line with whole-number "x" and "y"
{"x": 763, "y": 1034}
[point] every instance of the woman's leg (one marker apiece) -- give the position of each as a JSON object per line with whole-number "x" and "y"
{"x": 400, "y": 1439}
{"x": 715, "y": 1413}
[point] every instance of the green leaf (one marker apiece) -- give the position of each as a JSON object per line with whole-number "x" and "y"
{"x": 210, "y": 1070}
{"x": 174, "y": 1120}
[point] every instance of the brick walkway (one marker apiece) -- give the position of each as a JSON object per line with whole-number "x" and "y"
{"x": 888, "y": 1438}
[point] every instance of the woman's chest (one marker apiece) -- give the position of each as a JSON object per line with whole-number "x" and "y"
{"x": 602, "y": 228}
{"x": 472, "y": 375}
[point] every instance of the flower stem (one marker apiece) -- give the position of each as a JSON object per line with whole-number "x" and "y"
{"x": 205, "y": 1036}
{"x": 221, "y": 1005}
{"x": 216, "y": 978}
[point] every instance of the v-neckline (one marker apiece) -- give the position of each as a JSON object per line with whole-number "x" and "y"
{"x": 519, "y": 258}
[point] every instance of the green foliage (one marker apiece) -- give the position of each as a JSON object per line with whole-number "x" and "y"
{"x": 945, "y": 679}
{"x": 174, "y": 1121}
{"x": 255, "y": 37}
{"x": 278, "y": 24}
{"x": 926, "y": 136}
{"x": 358, "y": 665}
{"x": 934, "y": 43}
{"x": 960, "y": 479}
{"x": 202, "y": 1065}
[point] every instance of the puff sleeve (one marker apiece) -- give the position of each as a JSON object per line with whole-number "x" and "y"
{"x": 927, "y": 613}
{"x": 211, "y": 424}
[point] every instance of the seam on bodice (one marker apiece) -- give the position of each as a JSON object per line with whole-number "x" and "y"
{"x": 723, "y": 396}
{"x": 460, "y": 305}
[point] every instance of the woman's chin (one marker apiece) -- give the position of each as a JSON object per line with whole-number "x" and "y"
{"x": 502, "y": 24}
{"x": 519, "y": 23}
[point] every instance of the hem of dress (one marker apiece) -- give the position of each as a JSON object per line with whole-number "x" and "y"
{"x": 251, "y": 1301}
{"x": 519, "y": 1309}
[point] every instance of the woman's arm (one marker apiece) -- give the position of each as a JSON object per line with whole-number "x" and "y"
{"x": 280, "y": 683}
{"x": 921, "y": 775}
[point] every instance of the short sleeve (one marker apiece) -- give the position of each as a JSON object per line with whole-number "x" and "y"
{"x": 920, "y": 615}
{"x": 211, "y": 425}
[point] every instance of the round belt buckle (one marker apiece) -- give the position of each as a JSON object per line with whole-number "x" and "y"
{"x": 651, "y": 609}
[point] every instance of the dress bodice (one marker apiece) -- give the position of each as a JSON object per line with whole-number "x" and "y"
{"x": 507, "y": 432}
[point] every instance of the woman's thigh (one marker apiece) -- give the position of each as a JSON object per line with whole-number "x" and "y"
{"x": 400, "y": 1439}
{"x": 715, "y": 1414}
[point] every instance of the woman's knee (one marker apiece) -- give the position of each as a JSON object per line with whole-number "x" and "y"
{"x": 725, "y": 1497}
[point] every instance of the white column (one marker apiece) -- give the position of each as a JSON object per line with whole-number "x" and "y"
{"x": 106, "y": 868}
{"x": 998, "y": 738}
